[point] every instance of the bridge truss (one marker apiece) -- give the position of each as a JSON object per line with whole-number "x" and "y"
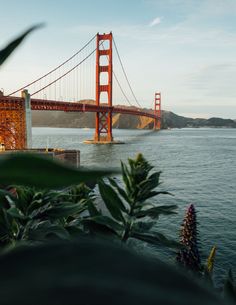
{"x": 12, "y": 123}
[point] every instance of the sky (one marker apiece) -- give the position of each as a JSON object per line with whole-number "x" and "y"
{"x": 184, "y": 48}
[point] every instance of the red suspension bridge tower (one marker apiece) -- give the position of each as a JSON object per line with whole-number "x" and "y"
{"x": 157, "y": 110}
{"x": 103, "y": 128}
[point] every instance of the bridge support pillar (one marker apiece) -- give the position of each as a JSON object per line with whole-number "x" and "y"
{"x": 103, "y": 127}
{"x": 157, "y": 111}
{"x": 28, "y": 118}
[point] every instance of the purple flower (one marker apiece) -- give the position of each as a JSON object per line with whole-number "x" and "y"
{"x": 189, "y": 257}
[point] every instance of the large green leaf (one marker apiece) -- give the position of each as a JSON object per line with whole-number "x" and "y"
{"x": 146, "y": 194}
{"x": 155, "y": 212}
{"x": 151, "y": 182}
{"x": 126, "y": 178}
{"x": 112, "y": 201}
{"x": 98, "y": 229}
{"x": 119, "y": 189}
{"x": 4, "y": 53}
{"x": 92, "y": 272}
{"x": 8, "y": 227}
{"x": 143, "y": 226}
{"x": 46, "y": 230}
{"x": 16, "y": 213}
{"x": 5, "y": 226}
{"x": 74, "y": 231}
{"x": 25, "y": 196}
{"x": 107, "y": 221}
{"x": 64, "y": 210}
{"x": 93, "y": 211}
{"x": 5, "y": 197}
{"x": 36, "y": 205}
{"x": 156, "y": 238}
{"x": 42, "y": 172}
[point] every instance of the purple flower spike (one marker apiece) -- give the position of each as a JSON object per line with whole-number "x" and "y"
{"x": 189, "y": 257}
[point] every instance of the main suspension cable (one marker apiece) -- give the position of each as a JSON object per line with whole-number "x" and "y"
{"x": 126, "y": 77}
{"x": 45, "y": 75}
{"x": 65, "y": 73}
{"x": 121, "y": 88}
{"x": 113, "y": 72}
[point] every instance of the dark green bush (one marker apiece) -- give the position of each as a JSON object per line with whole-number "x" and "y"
{"x": 37, "y": 214}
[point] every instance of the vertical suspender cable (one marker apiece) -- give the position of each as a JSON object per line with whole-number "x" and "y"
{"x": 126, "y": 77}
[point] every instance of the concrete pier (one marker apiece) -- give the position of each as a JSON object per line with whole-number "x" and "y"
{"x": 28, "y": 118}
{"x": 70, "y": 157}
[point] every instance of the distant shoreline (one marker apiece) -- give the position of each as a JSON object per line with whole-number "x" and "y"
{"x": 169, "y": 128}
{"x": 122, "y": 121}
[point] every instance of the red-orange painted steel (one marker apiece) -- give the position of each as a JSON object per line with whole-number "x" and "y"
{"x": 157, "y": 110}
{"x": 12, "y": 123}
{"x": 51, "y": 105}
{"x": 38, "y": 104}
{"x": 12, "y": 111}
{"x": 12, "y": 116}
{"x": 103, "y": 126}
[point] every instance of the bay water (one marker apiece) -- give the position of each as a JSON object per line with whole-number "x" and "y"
{"x": 198, "y": 166}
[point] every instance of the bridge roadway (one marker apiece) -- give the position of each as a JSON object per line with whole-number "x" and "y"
{"x": 50, "y": 105}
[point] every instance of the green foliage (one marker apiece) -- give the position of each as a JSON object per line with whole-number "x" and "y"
{"x": 36, "y": 216}
{"x": 210, "y": 261}
{"x": 6, "y": 52}
{"x": 112, "y": 201}
{"x": 229, "y": 292}
{"x": 30, "y": 214}
{"x": 131, "y": 216}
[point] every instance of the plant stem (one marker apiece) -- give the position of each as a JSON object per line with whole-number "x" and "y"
{"x": 128, "y": 224}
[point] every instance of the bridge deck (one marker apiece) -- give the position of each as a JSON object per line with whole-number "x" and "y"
{"x": 50, "y": 105}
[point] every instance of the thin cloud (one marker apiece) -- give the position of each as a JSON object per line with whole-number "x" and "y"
{"x": 155, "y": 21}
{"x": 216, "y": 80}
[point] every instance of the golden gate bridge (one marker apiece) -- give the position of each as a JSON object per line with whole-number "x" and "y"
{"x": 62, "y": 89}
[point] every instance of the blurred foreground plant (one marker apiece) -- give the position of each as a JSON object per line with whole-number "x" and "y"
{"x": 229, "y": 291}
{"x": 6, "y": 52}
{"x": 38, "y": 214}
{"x": 93, "y": 271}
{"x": 52, "y": 209}
{"x": 132, "y": 215}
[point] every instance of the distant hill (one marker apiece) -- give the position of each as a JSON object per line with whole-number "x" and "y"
{"x": 87, "y": 120}
{"x": 172, "y": 120}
